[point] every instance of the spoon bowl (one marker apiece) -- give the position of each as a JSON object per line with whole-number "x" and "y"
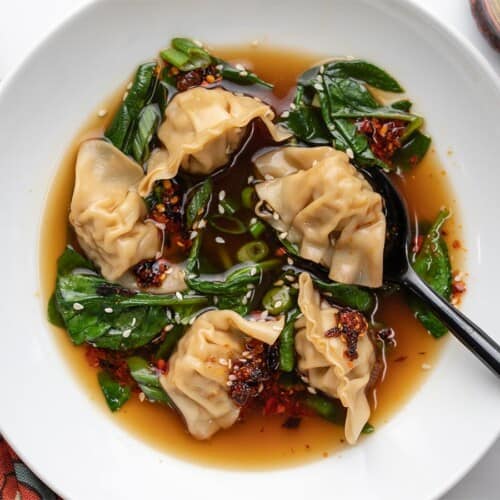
{"x": 398, "y": 269}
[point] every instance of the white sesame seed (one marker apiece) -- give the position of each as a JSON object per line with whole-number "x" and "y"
{"x": 318, "y": 78}
{"x": 102, "y": 112}
{"x": 134, "y": 321}
{"x": 222, "y": 195}
{"x": 220, "y": 240}
{"x": 169, "y": 316}
{"x": 268, "y": 177}
{"x": 223, "y": 362}
{"x": 170, "y": 270}
{"x": 250, "y": 286}
{"x": 193, "y": 235}
{"x": 178, "y": 295}
{"x": 304, "y": 379}
{"x": 250, "y": 179}
{"x": 168, "y": 328}
{"x": 197, "y": 42}
{"x": 220, "y": 209}
{"x": 426, "y": 366}
{"x": 253, "y": 220}
{"x": 108, "y": 310}
{"x": 264, "y": 314}
{"x": 292, "y": 106}
{"x": 229, "y": 383}
{"x": 126, "y": 333}
{"x": 142, "y": 397}
{"x": 285, "y": 114}
{"x": 290, "y": 278}
{"x": 216, "y": 300}
{"x": 253, "y": 271}
{"x": 177, "y": 317}
{"x": 249, "y": 294}
{"x": 243, "y": 73}
{"x": 77, "y": 306}
{"x": 317, "y": 86}
{"x": 321, "y": 69}
{"x": 289, "y": 261}
{"x": 283, "y": 235}
{"x": 202, "y": 224}
{"x": 349, "y": 153}
{"x": 278, "y": 303}
{"x": 125, "y": 96}
{"x": 311, "y": 390}
{"x": 129, "y": 85}
{"x": 244, "y": 300}
{"x": 276, "y": 216}
{"x": 219, "y": 67}
{"x": 239, "y": 67}
{"x": 295, "y": 285}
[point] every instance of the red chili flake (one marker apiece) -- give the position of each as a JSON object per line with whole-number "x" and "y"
{"x": 456, "y": 244}
{"x": 458, "y": 287}
{"x": 351, "y": 325}
{"x": 417, "y": 244}
{"x": 384, "y": 136}
{"x": 280, "y": 252}
{"x": 113, "y": 362}
{"x": 400, "y": 359}
{"x": 151, "y": 273}
{"x": 196, "y": 77}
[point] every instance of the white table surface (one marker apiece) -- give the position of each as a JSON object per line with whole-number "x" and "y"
{"x": 24, "y": 22}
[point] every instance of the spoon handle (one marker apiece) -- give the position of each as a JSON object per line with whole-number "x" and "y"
{"x": 475, "y": 339}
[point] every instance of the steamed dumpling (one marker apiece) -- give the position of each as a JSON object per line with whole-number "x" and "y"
{"x": 202, "y": 128}
{"x": 324, "y": 362}
{"x": 197, "y": 381}
{"x": 327, "y": 208}
{"x": 108, "y": 213}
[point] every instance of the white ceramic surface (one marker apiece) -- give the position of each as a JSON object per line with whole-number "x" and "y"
{"x": 46, "y": 415}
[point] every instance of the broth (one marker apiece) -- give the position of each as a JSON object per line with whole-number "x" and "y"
{"x": 260, "y": 442}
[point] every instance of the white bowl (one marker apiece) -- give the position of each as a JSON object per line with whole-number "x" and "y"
{"x": 46, "y": 415}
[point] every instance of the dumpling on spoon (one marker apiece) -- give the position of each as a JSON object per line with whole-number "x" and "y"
{"x": 108, "y": 213}
{"x": 202, "y": 128}
{"x": 319, "y": 202}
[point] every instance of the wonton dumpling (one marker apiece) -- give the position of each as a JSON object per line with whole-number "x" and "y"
{"x": 197, "y": 381}
{"x": 327, "y": 208}
{"x": 322, "y": 359}
{"x": 202, "y": 128}
{"x": 106, "y": 211}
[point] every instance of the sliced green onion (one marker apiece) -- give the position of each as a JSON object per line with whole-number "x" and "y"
{"x": 248, "y": 197}
{"x": 174, "y": 57}
{"x": 148, "y": 121}
{"x": 257, "y": 228}
{"x": 277, "y": 300}
{"x": 329, "y": 409}
{"x": 227, "y": 224}
{"x": 255, "y": 251}
{"x": 230, "y": 206}
{"x": 185, "y": 45}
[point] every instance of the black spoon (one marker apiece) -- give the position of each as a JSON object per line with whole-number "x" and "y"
{"x": 397, "y": 269}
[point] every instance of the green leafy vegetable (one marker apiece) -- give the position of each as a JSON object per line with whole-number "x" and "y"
{"x": 347, "y": 295}
{"x": 122, "y": 126}
{"x": 330, "y": 98}
{"x": 148, "y": 379}
{"x": 199, "y": 203}
{"x": 168, "y": 345}
{"x": 367, "y": 428}
{"x": 330, "y": 409}
{"x": 53, "y": 314}
{"x": 433, "y": 265}
{"x": 287, "y": 342}
{"x": 105, "y": 314}
{"x": 412, "y": 152}
{"x": 147, "y": 124}
{"x": 116, "y": 395}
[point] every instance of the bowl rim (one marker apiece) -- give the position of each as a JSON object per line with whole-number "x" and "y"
{"x": 412, "y": 8}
